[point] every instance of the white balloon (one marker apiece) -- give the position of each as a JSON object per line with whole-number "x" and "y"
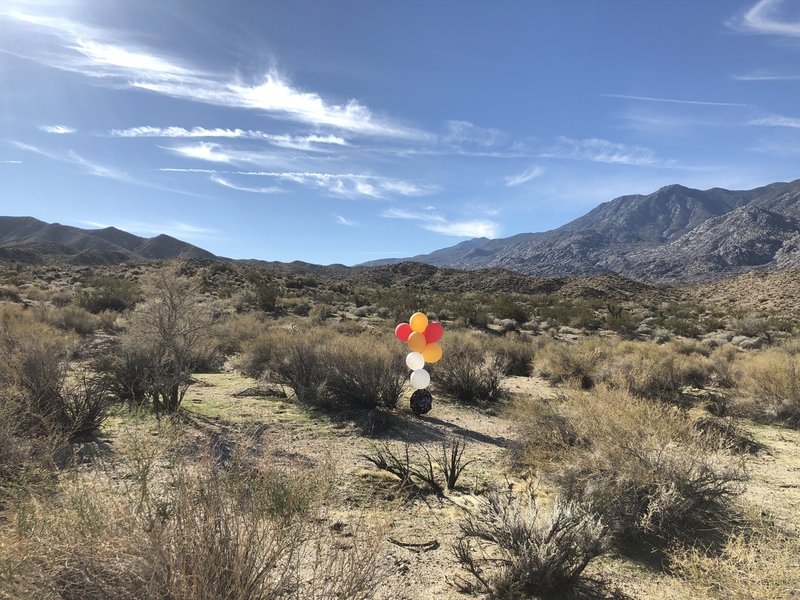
{"x": 415, "y": 360}
{"x": 420, "y": 379}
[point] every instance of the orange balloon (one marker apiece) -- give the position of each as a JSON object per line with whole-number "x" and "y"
{"x": 418, "y": 322}
{"x": 432, "y": 353}
{"x": 416, "y": 342}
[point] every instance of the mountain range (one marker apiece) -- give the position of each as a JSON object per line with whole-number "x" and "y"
{"x": 674, "y": 234}
{"x": 27, "y": 239}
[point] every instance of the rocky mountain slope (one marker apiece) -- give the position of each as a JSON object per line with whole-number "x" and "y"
{"x": 674, "y": 234}
{"x": 30, "y": 240}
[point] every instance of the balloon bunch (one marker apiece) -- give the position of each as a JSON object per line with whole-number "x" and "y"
{"x": 421, "y": 336}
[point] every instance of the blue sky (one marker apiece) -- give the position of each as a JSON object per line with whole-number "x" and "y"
{"x": 350, "y": 131}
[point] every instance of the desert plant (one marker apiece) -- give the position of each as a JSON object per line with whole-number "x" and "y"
{"x": 363, "y": 375}
{"x": 536, "y": 554}
{"x": 108, "y": 293}
{"x": 654, "y": 371}
{"x": 646, "y": 471}
{"x": 772, "y": 380}
{"x": 451, "y": 460}
{"x": 560, "y": 361}
{"x": 173, "y": 332}
{"x": 468, "y": 372}
{"x": 753, "y": 564}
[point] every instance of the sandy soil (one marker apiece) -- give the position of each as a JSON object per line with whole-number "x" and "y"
{"x": 364, "y": 494}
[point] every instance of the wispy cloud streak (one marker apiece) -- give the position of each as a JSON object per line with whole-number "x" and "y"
{"x": 57, "y": 129}
{"x": 605, "y": 151}
{"x": 524, "y": 177}
{"x": 671, "y": 100}
{"x": 100, "y": 54}
{"x": 777, "y": 121}
{"x": 305, "y": 142}
{"x": 764, "y": 18}
{"x": 439, "y": 224}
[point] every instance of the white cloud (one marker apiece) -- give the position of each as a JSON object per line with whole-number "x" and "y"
{"x": 74, "y": 158}
{"x": 765, "y": 77}
{"x": 105, "y": 55}
{"x": 344, "y": 221}
{"x": 351, "y": 185}
{"x": 531, "y": 173}
{"x": 460, "y": 132}
{"x": 58, "y": 129}
{"x": 439, "y": 224}
{"x": 604, "y": 151}
{"x": 671, "y": 100}
{"x": 228, "y": 184}
{"x": 11, "y": 162}
{"x": 305, "y": 142}
{"x": 764, "y": 18}
{"x": 777, "y": 121}
{"x": 470, "y": 229}
{"x": 204, "y": 151}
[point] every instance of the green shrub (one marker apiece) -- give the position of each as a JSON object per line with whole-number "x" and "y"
{"x": 108, "y": 293}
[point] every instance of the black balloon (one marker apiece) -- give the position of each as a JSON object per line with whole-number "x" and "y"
{"x": 421, "y": 402}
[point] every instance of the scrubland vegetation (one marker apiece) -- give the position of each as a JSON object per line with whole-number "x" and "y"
{"x": 213, "y": 430}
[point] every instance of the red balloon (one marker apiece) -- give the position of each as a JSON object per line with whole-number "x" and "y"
{"x": 433, "y": 332}
{"x": 402, "y": 331}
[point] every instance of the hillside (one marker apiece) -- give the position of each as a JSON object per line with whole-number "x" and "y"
{"x": 30, "y": 240}
{"x": 674, "y": 234}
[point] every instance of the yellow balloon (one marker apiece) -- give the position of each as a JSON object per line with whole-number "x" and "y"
{"x": 418, "y": 322}
{"x": 416, "y": 342}
{"x": 432, "y": 353}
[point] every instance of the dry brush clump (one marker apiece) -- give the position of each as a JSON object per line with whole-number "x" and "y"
{"x": 645, "y": 369}
{"x": 513, "y": 549}
{"x": 201, "y": 530}
{"x": 771, "y": 382}
{"x": 329, "y": 368}
{"x": 639, "y": 465}
{"x": 754, "y": 564}
{"x": 469, "y": 372}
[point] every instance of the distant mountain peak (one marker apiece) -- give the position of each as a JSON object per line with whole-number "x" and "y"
{"x": 674, "y": 233}
{"x": 40, "y": 241}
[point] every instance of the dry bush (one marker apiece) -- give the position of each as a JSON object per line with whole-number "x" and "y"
{"x": 724, "y": 364}
{"x": 645, "y": 471}
{"x": 326, "y": 367}
{"x": 751, "y": 326}
{"x": 752, "y": 565}
{"x": 297, "y": 360}
{"x": 513, "y": 549}
{"x": 238, "y": 332}
{"x": 171, "y": 335}
{"x": 364, "y": 373}
{"x": 200, "y": 532}
{"x": 545, "y": 433}
{"x": 516, "y": 351}
{"x": 654, "y": 371}
{"x": 560, "y": 361}
{"x": 468, "y": 372}
{"x": 70, "y": 318}
{"x": 771, "y": 379}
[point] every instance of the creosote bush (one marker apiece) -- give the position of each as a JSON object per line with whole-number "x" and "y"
{"x": 645, "y": 470}
{"x": 108, "y": 293}
{"x": 468, "y": 372}
{"x": 771, "y": 379}
{"x": 325, "y": 367}
{"x": 514, "y": 549}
